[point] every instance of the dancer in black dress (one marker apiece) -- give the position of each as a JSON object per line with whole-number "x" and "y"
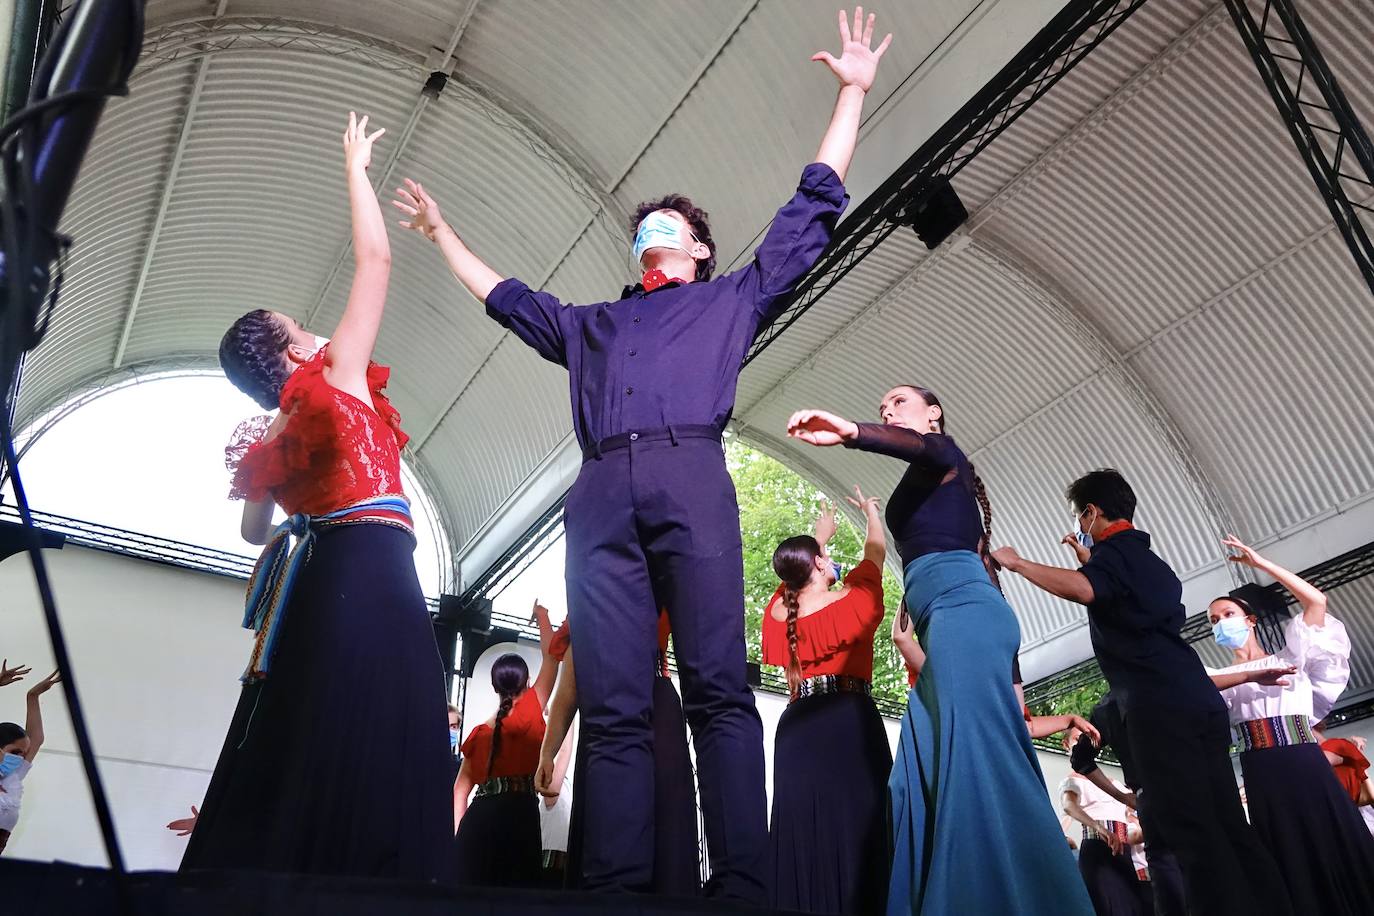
{"x": 336, "y": 760}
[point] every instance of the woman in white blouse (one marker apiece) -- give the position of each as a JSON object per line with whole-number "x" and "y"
{"x": 1295, "y": 802}
{"x": 1106, "y": 856}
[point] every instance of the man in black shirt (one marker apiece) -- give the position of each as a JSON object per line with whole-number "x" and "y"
{"x": 1175, "y": 719}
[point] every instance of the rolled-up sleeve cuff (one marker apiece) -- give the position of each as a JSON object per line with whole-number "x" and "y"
{"x": 820, "y": 181}
{"x": 503, "y": 298}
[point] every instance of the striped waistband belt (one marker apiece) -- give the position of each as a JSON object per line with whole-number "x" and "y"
{"x": 269, "y": 588}
{"x": 506, "y": 785}
{"x": 832, "y": 683}
{"x": 1276, "y": 731}
{"x": 1120, "y": 829}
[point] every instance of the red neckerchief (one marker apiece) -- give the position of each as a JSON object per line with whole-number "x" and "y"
{"x": 654, "y": 278}
{"x": 1113, "y": 528}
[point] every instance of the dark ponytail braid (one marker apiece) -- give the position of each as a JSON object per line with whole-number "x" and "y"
{"x": 251, "y": 355}
{"x": 793, "y": 561}
{"x": 509, "y": 678}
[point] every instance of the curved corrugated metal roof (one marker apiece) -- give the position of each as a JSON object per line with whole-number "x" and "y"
{"x": 1148, "y": 278}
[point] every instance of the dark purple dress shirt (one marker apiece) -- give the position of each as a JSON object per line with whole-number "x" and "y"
{"x": 673, "y": 356}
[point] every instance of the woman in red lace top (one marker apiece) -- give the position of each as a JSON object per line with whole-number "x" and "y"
{"x": 831, "y": 761}
{"x": 344, "y": 684}
{"x": 498, "y": 841}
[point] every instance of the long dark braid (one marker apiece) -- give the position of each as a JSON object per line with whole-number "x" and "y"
{"x": 250, "y": 353}
{"x": 793, "y": 561}
{"x": 980, "y": 492}
{"x": 509, "y": 678}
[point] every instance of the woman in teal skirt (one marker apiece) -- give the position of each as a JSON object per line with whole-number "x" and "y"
{"x": 972, "y": 826}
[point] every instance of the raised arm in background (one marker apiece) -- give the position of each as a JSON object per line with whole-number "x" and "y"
{"x": 875, "y": 538}
{"x": 33, "y": 723}
{"x": 1310, "y": 598}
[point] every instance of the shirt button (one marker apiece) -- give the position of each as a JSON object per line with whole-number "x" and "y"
{"x": 634, "y": 437}
{"x": 629, "y": 391}
{"x": 636, "y": 319}
{"x": 633, "y": 352}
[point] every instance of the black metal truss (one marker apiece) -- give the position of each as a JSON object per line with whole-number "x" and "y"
{"x": 1069, "y": 37}
{"x": 1324, "y": 127}
{"x": 519, "y": 555}
{"x": 1327, "y": 576}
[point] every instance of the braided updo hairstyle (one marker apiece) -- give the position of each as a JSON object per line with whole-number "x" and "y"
{"x": 251, "y": 355}
{"x": 509, "y": 678}
{"x": 980, "y": 493}
{"x": 794, "y": 560}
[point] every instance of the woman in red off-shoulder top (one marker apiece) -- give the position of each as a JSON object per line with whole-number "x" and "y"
{"x": 344, "y": 685}
{"x": 498, "y": 841}
{"x": 831, "y": 760}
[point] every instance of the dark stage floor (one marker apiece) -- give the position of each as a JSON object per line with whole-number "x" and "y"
{"x": 54, "y": 889}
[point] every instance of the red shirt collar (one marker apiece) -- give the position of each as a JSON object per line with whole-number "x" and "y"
{"x": 655, "y": 278}
{"x": 1114, "y": 528}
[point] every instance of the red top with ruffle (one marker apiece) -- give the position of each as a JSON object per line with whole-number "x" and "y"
{"x": 522, "y": 731}
{"x": 334, "y": 450}
{"x": 1352, "y": 769}
{"x": 837, "y": 639}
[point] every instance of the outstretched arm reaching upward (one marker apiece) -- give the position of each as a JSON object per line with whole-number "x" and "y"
{"x": 424, "y": 217}
{"x": 855, "y": 68}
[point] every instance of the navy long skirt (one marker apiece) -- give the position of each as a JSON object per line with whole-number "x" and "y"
{"x": 1311, "y": 828}
{"x": 677, "y": 851}
{"x": 338, "y": 762}
{"x": 498, "y": 843}
{"x": 828, "y": 834}
{"x": 1111, "y": 881}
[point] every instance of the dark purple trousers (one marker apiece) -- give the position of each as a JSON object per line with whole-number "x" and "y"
{"x": 652, "y": 522}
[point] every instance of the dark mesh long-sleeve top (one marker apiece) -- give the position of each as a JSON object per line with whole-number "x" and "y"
{"x": 933, "y": 508}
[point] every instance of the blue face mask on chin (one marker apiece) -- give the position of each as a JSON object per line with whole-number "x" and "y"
{"x": 1231, "y": 632}
{"x": 10, "y": 764}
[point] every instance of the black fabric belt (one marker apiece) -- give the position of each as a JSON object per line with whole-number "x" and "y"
{"x": 662, "y": 434}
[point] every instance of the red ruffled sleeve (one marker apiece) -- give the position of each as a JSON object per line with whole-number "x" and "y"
{"x": 248, "y": 435}
{"x": 332, "y": 451}
{"x": 562, "y": 639}
{"x": 1352, "y": 769}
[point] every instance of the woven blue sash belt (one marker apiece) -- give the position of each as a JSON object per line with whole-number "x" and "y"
{"x": 269, "y": 588}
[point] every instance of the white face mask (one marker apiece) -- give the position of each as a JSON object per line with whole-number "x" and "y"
{"x": 658, "y": 230}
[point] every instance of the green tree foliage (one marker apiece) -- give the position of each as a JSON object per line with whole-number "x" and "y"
{"x": 774, "y": 504}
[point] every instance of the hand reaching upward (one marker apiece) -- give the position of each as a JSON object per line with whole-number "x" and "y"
{"x": 857, "y": 64}
{"x": 358, "y": 143}
{"x": 9, "y": 675}
{"x": 415, "y": 202}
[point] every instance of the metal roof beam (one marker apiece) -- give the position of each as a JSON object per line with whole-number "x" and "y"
{"x": 168, "y": 187}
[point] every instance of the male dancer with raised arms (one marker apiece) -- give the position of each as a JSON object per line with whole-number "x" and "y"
{"x": 652, "y": 521}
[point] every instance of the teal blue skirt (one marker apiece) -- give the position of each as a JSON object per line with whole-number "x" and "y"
{"x": 973, "y": 830}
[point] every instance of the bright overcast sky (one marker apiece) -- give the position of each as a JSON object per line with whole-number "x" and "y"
{"x": 150, "y": 458}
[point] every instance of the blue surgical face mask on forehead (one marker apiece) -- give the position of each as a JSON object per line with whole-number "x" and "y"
{"x": 658, "y": 230}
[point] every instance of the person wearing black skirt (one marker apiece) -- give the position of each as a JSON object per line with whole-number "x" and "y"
{"x": 335, "y": 761}
{"x": 831, "y": 761}
{"x": 1105, "y": 851}
{"x": 498, "y": 841}
{"x": 1324, "y": 853}
{"x": 677, "y": 852}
